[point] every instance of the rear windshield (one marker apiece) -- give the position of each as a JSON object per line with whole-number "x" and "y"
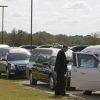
{"x": 53, "y": 60}
{"x": 18, "y": 56}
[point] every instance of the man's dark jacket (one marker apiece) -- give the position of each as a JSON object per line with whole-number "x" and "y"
{"x": 61, "y": 62}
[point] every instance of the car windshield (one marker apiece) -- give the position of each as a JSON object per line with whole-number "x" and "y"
{"x": 18, "y": 56}
{"x": 53, "y": 60}
{"x": 80, "y": 48}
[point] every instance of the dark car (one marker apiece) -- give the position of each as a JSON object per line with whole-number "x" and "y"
{"x": 13, "y": 61}
{"x": 41, "y": 66}
{"x": 78, "y": 48}
{"x": 28, "y": 47}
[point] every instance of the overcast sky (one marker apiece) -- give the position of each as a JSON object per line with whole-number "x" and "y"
{"x": 70, "y": 17}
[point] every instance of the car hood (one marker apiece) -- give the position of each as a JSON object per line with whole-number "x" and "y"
{"x": 22, "y": 62}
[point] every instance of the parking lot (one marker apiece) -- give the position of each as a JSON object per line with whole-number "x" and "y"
{"x": 45, "y": 87}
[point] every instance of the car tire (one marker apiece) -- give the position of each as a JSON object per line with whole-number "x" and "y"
{"x": 51, "y": 82}
{"x": 8, "y": 76}
{"x": 0, "y": 73}
{"x": 87, "y": 92}
{"x": 32, "y": 80}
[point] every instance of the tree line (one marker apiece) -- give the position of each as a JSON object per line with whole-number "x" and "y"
{"x": 20, "y": 37}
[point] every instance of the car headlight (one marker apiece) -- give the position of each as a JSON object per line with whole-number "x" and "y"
{"x": 12, "y": 67}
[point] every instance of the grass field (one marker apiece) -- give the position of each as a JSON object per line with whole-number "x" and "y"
{"x": 10, "y": 90}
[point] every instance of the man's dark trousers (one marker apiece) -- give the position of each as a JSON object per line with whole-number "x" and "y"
{"x": 60, "y": 86}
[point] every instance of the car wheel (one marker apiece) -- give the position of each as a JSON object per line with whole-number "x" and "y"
{"x": 8, "y": 76}
{"x": 51, "y": 82}
{"x": 87, "y": 92}
{"x": 32, "y": 80}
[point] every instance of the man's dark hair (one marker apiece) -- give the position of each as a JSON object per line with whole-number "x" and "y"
{"x": 65, "y": 46}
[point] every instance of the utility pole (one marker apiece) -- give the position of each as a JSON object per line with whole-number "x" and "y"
{"x": 31, "y": 22}
{"x": 2, "y": 20}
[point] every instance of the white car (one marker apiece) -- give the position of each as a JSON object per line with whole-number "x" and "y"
{"x": 3, "y": 45}
{"x": 85, "y": 72}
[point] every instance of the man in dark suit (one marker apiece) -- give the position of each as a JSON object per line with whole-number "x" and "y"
{"x": 61, "y": 68}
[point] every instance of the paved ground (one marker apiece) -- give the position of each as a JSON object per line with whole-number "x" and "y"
{"x": 45, "y": 87}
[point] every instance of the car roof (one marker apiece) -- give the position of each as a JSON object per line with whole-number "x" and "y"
{"x": 15, "y": 50}
{"x": 93, "y": 49}
{"x": 50, "y": 51}
{"x": 3, "y": 45}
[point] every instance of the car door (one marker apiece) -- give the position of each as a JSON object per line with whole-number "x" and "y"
{"x": 4, "y": 62}
{"x": 38, "y": 67}
{"x": 88, "y": 72}
{"x": 1, "y": 65}
{"x": 46, "y": 68}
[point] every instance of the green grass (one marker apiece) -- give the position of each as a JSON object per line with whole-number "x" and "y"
{"x": 9, "y": 90}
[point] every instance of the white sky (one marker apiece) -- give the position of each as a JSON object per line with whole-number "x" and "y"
{"x": 70, "y": 17}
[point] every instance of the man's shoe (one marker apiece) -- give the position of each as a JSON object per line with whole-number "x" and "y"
{"x": 65, "y": 95}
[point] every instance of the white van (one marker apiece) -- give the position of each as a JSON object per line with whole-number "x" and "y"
{"x": 85, "y": 72}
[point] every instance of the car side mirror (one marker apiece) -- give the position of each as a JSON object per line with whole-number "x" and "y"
{"x": 45, "y": 63}
{"x": 99, "y": 66}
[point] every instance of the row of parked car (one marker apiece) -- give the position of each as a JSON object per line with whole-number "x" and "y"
{"x": 55, "y": 45}
{"x": 39, "y": 66}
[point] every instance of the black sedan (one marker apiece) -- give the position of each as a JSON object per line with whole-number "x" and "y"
{"x": 13, "y": 61}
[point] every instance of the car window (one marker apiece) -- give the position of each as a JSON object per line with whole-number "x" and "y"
{"x": 29, "y": 47}
{"x": 26, "y": 47}
{"x": 87, "y": 61}
{"x": 44, "y": 46}
{"x": 40, "y": 59}
{"x": 33, "y": 47}
{"x": 46, "y": 58}
{"x": 74, "y": 58}
{"x": 18, "y": 56}
{"x": 78, "y": 48}
{"x": 1, "y": 55}
{"x": 34, "y": 57}
{"x": 68, "y": 58}
{"x": 53, "y": 60}
{"x": 4, "y": 55}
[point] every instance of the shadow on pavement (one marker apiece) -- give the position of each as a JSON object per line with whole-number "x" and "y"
{"x": 93, "y": 96}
